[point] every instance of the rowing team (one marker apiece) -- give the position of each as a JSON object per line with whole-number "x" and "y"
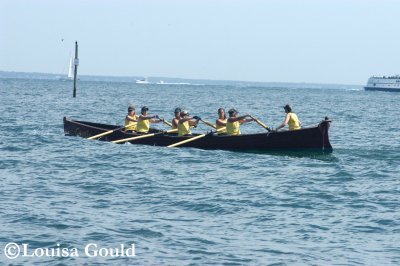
{"x": 183, "y": 121}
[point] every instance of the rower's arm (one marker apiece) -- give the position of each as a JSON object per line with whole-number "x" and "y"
{"x": 246, "y": 120}
{"x": 183, "y": 120}
{"x": 218, "y": 122}
{"x": 239, "y": 118}
{"x": 155, "y": 120}
{"x": 130, "y": 118}
{"x": 284, "y": 122}
{"x": 175, "y": 123}
{"x": 193, "y": 123}
{"x": 142, "y": 117}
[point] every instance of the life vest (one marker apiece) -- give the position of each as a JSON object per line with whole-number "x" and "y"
{"x": 143, "y": 126}
{"x": 130, "y": 125}
{"x": 294, "y": 122}
{"x": 220, "y": 126}
{"x": 233, "y": 128}
{"x": 184, "y": 128}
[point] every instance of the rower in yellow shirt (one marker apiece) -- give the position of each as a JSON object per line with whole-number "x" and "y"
{"x": 221, "y": 121}
{"x": 131, "y": 119}
{"x": 291, "y": 119}
{"x": 233, "y": 123}
{"x": 185, "y": 122}
{"x": 144, "y": 120}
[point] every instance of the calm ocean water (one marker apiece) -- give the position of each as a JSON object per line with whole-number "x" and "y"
{"x": 189, "y": 206}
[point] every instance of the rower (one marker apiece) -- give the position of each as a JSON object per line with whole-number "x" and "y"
{"x": 221, "y": 121}
{"x": 175, "y": 121}
{"x": 291, "y": 119}
{"x": 233, "y": 123}
{"x": 144, "y": 120}
{"x": 131, "y": 119}
{"x": 185, "y": 122}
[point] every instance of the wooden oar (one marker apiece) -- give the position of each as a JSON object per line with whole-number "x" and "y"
{"x": 166, "y": 122}
{"x": 208, "y": 123}
{"x": 144, "y": 136}
{"x": 261, "y": 123}
{"x": 108, "y": 132}
{"x": 191, "y": 139}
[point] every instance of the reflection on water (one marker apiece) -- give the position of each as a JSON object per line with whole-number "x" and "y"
{"x": 191, "y": 206}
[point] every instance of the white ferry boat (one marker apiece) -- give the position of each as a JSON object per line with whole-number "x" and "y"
{"x": 390, "y": 83}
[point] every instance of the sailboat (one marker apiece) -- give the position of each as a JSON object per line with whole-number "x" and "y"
{"x": 70, "y": 75}
{"x": 71, "y": 69}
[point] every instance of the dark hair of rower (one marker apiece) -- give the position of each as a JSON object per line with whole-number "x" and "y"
{"x": 221, "y": 113}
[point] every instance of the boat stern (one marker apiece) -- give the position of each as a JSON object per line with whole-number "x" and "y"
{"x": 324, "y": 129}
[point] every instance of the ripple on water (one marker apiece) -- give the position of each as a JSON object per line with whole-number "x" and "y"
{"x": 197, "y": 207}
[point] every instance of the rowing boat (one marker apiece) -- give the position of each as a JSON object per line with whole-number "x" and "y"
{"x": 315, "y": 137}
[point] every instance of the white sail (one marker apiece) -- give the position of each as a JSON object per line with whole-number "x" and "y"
{"x": 71, "y": 69}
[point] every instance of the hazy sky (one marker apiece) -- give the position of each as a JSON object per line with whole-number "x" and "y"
{"x": 325, "y": 41}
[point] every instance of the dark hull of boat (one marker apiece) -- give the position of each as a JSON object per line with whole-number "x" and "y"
{"x": 307, "y": 138}
{"x": 381, "y": 89}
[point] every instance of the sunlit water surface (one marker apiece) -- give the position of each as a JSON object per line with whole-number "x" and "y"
{"x": 190, "y": 206}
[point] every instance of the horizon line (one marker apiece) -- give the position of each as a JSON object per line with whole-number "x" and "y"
{"x": 217, "y": 80}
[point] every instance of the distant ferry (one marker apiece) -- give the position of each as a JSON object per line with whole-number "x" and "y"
{"x": 391, "y": 83}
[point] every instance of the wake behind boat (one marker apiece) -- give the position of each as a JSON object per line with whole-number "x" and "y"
{"x": 306, "y": 138}
{"x": 161, "y": 82}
